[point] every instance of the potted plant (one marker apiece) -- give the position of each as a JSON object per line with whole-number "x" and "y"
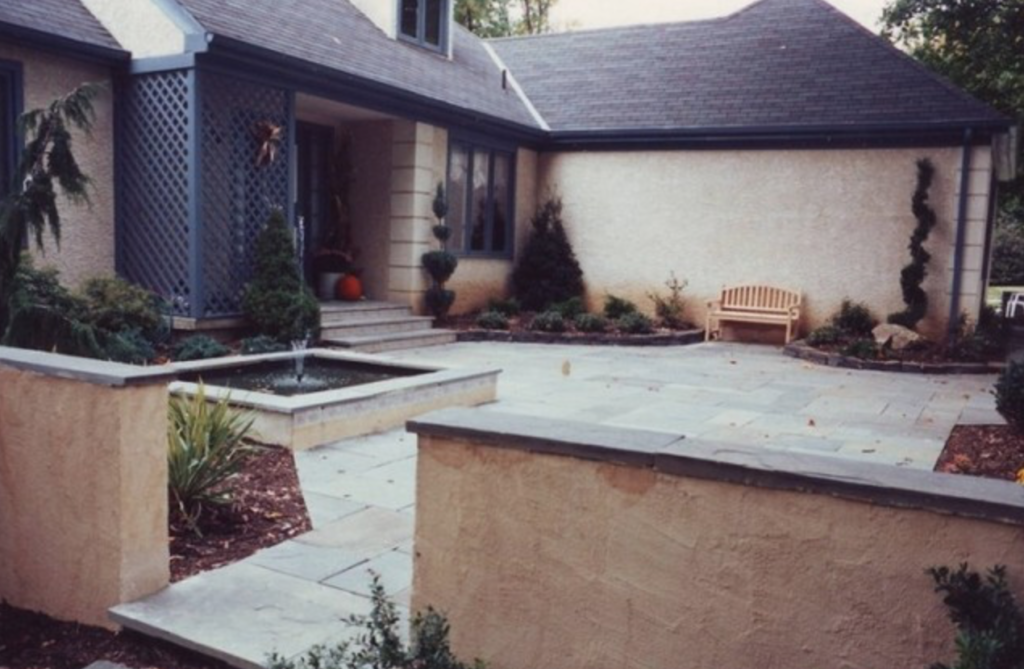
{"x": 329, "y": 266}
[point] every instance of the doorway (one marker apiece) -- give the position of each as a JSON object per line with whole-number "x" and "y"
{"x": 314, "y": 145}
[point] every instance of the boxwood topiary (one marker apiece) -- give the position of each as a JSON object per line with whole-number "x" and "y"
{"x": 277, "y": 301}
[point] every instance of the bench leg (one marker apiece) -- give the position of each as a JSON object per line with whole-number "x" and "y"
{"x": 707, "y": 328}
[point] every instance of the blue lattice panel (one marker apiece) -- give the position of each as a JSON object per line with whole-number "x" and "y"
{"x": 237, "y": 195}
{"x": 154, "y": 220}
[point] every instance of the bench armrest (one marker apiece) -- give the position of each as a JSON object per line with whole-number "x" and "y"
{"x": 794, "y": 313}
{"x": 714, "y": 305}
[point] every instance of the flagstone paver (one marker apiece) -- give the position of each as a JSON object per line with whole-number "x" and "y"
{"x": 361, "y": 492}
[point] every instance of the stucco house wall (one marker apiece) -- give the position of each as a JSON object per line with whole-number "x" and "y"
{"x": 87, "y": 232}
{"x": 830, "y": 223}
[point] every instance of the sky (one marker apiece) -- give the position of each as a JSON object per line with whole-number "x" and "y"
{"x": 604, "y": 13}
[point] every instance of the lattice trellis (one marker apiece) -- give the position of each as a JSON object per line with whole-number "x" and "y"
{"x": 154, "y": 222}
{"x": 237, "y": 196}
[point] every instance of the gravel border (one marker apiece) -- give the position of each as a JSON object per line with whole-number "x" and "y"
{"x": 681, "y": 338}
{"x": 804, "y": 351}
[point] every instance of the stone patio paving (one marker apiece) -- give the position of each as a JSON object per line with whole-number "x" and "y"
{"x": 361, "y": 492}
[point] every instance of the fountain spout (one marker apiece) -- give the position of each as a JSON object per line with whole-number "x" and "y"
{"x": 300, "y": 345}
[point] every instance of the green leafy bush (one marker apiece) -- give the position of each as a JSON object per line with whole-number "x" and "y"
{"x": 865, "y": 349}
{"x": 547, "y": 272}
{"x": 129, "y": 346}
{"x": 635, "y": 323}
{"x": 591, "y": 323}
{"x": 548, "y": 321}
{"x": 276, "y": 301}
{"x": 570, "y": 309}
{"x": 508, "y": 308}
{"x": 199, "y": 347}
{"x": 854, "y": 319}
{"x": 990, "y": 626}
{"x": 913, "y": 275}
{"x": 617, "y": 307}
{"x": 825, "y": 335}
{"x": 204, "y": 451}
{"x": 492, "y": 320}
{"x": 379, "y": 644}
{"x": 670, "y": 309}
{"x": 118, "y": 305}
{"x": 261, "y": 344}
{"x": 1010, "y": 395}
{"x": 1008, "y": 255}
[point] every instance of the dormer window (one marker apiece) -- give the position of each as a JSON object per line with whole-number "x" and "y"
{"x": 424, "y": 22}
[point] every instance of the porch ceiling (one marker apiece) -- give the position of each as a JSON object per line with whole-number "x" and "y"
{"x": 311, "y": 107}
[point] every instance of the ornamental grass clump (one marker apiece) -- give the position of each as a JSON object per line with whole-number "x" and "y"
{"x": 440, "y": 264}
{"x": 205, "y": 450}
{"x": 277, "y": 301}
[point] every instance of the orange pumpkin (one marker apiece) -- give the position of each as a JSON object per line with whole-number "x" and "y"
{"x": 349, "y": 288}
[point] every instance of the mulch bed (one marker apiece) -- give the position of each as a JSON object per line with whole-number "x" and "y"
{"x": 34, "y": 641}
{"x": 268, "y": 508}
{"x": 921, "y": 362}
{"x": 992, "y": 451}
{"x": 519, "y": 332}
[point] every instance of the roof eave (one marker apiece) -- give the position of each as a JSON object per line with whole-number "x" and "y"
{"x": 318, "y": 79}
{"x": 64, "y": 45}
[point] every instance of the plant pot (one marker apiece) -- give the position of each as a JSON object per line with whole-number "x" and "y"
{"x": 327, "y": 284}
{"x": 349, "y": 288}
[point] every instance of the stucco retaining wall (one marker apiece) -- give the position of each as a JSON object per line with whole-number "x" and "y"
{"x": 87, "y": 231}
{"x": 555, "y": 544}
{"x": 83, "y": 484}
{"x": 829, "y": 223}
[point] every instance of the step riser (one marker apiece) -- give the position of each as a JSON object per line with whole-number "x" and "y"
{"x": 335, "y": 317}
{"x": 380, "y": 347}
{"x": 336, "y": 331}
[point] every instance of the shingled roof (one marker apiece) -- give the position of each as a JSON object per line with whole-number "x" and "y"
{"x": 775, "y": 64}
{"x": 59, "y": 22}
{"x": 333, "y": 34}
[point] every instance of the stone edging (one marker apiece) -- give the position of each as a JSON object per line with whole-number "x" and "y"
{"x": 675, "y": 455}
{"x": 87, "y": 370}
{"x": 682, "y": 338}
{"x": 804, "y": 351}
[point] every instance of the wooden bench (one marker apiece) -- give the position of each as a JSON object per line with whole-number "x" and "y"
{"x": 754, "y": 304}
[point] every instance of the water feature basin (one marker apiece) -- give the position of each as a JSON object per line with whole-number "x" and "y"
{"x": 340, "y": 394}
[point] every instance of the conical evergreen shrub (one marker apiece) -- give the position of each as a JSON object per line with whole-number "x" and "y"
{"x": 548, "y": 272}
{"x": 276, "y": 301}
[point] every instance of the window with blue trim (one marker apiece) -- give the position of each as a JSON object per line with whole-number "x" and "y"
{"x": 424, "y": 22}
{"x": 480, "y": 199}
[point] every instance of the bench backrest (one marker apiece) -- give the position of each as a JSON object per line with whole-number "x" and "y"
{"x": 759, "y": 298}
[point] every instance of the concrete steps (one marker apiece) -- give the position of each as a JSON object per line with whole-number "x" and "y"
{"x": 373, "y": 327}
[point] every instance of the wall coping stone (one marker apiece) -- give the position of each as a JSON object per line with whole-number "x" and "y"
{"x": 674, "y": 455}
{"x": 87, "y": 370}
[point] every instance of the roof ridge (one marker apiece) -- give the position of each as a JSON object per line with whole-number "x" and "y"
{"x": 635, "y": 26}
{"x": 906, "y": 58}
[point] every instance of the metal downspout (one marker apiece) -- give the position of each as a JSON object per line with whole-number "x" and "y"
{"x": 961, "y": 233}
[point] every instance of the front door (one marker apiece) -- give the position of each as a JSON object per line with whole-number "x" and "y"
{"x": 312, "y": 207}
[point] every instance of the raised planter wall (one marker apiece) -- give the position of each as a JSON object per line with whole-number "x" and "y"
{"x": 83, "y": 484}
{"x": 558, "y": 544}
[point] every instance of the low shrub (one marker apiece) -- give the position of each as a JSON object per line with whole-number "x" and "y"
{"x": 199, "y": 347}
{"x": 548, "y": 321}
{"x": 130, "y": 346}
{"x": 989, "y": 623}
{"x": 508, "y": 308}
{"x": 973, "y": 344}
{"x": 865, "y": 349}
{"x": 617, "y": 307}
{"x": 591, "y": 323}
{"x": 669, "y": 309}
{"x": 854, "y": 318}
{"x": 204, "y": 451}
{"x": 492, "y": 320}
{"x": 635, "y": 323}
{"x": 118, "y": 305}
{"x": 261, "y": 344}
{"x": 1009, "y": 393}
{"x": 570, "y": 308}
{"x": 379, "y": 644}
{"x": 825, "y": 335}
